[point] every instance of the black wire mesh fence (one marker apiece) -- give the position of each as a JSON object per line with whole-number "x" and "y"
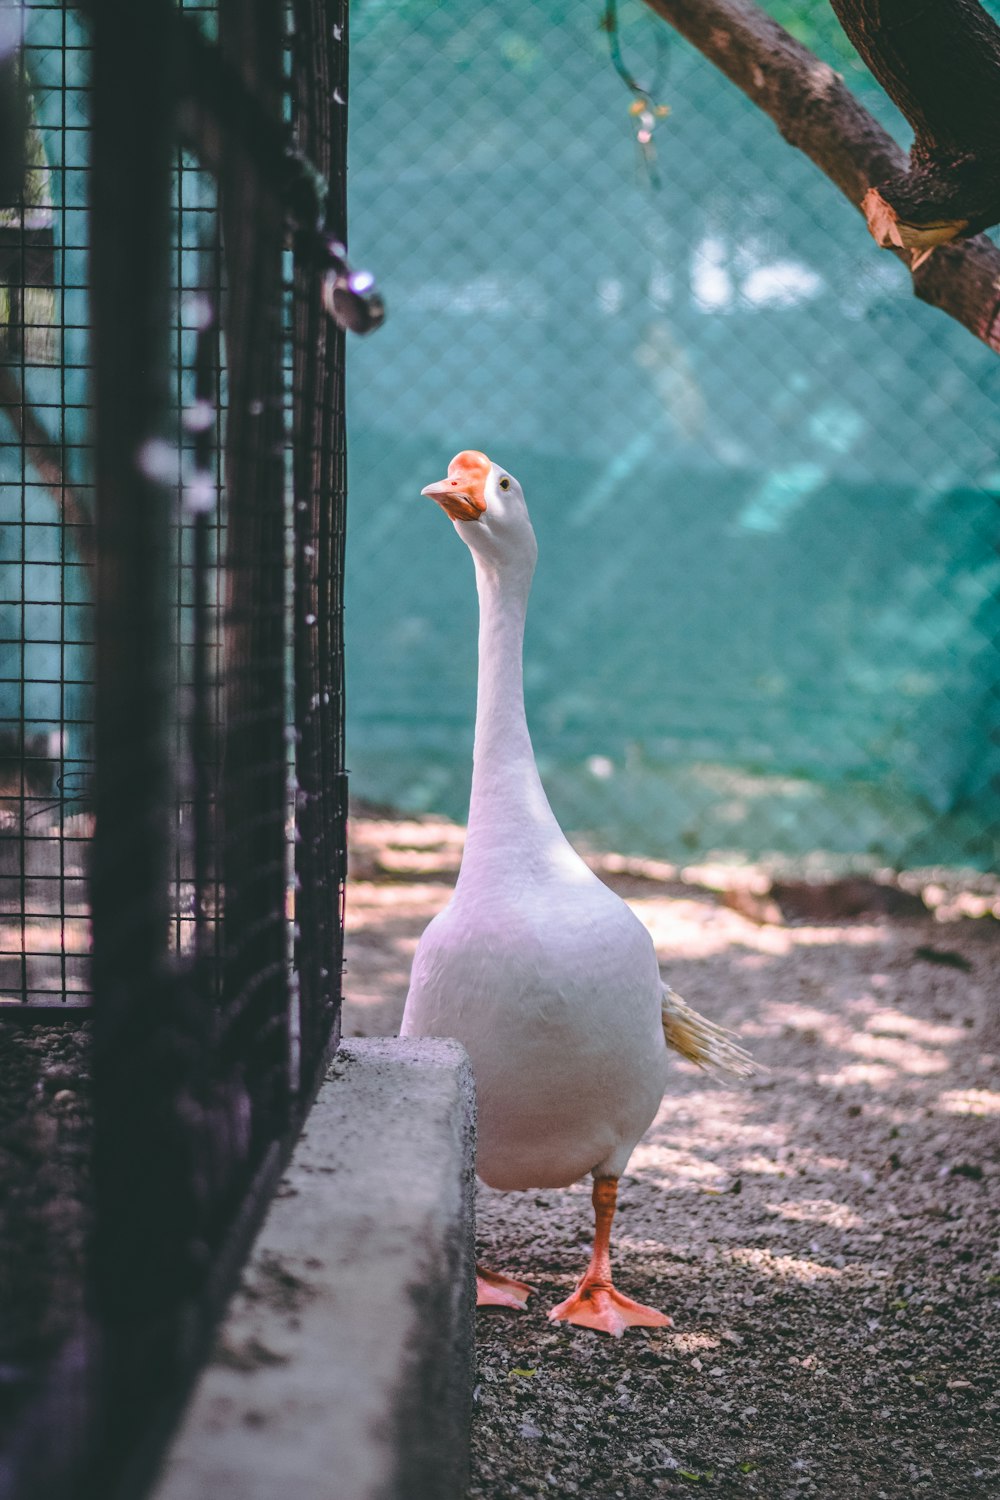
{"x": 173, "y": 289}
{"x": 763, "y": 476}
{"x": 46, "y": 530}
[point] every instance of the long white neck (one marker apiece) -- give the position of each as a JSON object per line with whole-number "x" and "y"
{"x": 510, "y": 822}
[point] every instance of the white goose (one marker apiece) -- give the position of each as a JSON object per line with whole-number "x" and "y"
{"x": 547, "y": 978}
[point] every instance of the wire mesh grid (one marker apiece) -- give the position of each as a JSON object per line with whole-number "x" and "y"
{"x": 48, "y": 640}
{"x": 763, "y": 476}
{"x": 197, "y": 441}
{"x": 46, "y": 528}
{"x": 173, "y": 834}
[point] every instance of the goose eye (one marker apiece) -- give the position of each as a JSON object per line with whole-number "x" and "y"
{"x": 505, "y": 483}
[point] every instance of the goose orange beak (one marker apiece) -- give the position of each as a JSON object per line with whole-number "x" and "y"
{"x": 461, "y": 494}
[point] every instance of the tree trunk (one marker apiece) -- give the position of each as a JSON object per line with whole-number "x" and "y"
{"x": 817, "y": 113}
{"x": 940, "y": 62}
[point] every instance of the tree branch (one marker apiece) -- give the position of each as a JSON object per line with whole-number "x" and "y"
{"x": 940, "y": 62}
{"x": 817, "y": 113}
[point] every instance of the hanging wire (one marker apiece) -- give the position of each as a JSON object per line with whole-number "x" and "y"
{"x": 645, "y": 110}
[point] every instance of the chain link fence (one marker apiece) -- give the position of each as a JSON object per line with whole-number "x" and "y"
{"x": 763, "y": 477}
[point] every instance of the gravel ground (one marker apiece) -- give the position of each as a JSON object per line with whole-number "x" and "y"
{"x": 44, "y": 1196}
{"x": 826, "y": 1239}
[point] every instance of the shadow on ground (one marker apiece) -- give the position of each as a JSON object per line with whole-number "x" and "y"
{"x": 825, "y": 1239}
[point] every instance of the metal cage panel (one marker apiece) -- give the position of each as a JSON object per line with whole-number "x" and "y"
{"x": 173, "y": 290}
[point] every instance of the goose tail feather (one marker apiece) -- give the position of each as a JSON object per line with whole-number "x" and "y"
{"x": 703, "y": 1042}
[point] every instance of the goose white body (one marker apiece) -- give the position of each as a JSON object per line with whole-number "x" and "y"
{"x": 543, "y": 973}
{"x": 552, "y": 986}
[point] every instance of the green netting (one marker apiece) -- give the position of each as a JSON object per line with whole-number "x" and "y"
{"x": 764, "y": 478}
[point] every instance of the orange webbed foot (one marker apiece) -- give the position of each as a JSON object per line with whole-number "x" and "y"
{"x": 595, "y": 1302}
{"x": 494, "y": 1289}
{"x": 599, "y": 1305}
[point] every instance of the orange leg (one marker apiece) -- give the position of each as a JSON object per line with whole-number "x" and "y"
{"x": 494, "y": 1289}
{"x": 595, "y": 1303}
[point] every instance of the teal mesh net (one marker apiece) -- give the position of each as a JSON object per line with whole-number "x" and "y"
{"x": 763, "y": 477}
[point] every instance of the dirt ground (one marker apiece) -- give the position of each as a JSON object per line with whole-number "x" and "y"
{"x": 45, "y": 1192}
{"x": 825, "y": 1239}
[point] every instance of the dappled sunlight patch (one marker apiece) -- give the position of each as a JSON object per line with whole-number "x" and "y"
{"x": 369, "y": 991}
{"x": 752, "y": 960}
{"x": 758, "y": 1165}
{"x": 904, "y": 1056}
{"x": 899, "y": 1110}
{"x": 646, "y": 1247}
{"x": 861, "y": 1008}
{"x": 384, "y": 919}
{"x": 889, "y": 1042}
{"x": 824, "y": 1163}
{"x": 769, "y": 942}
{"x": 970, "y": 1102}
{"x": 631, "y": 866}
{"x": 710, "y": 1122}
{"x": 890, "y": 1022}
{"x": 369, "y": 902}
{"x": 846, "y": 937}
{"x": 807, "y": 1022}
{"x": 783, "y": 1267}
{"x": 395, "y": 949}
{"x": 419, "y": 861}
{"x": 685, "y": 929}
{"x": 751, "y": 1031}
{"x": 799, "y": 1017}
{"x": 695, "y": 1104}
{"x": 817, "y": 1211}
{"x": 863, "y": 1075}
{"x": 727, "y": 877}
{"x": 784, "y": 1162}
{"x": 406, "y": 834}
{"x": 950, "y": 905}
{"x": 385, "y": 851}
{"x": 672, "y": 1165}
{"x": 695, "y": 1343}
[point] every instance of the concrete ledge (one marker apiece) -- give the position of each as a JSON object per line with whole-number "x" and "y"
{"x": 344, "y": 1366}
